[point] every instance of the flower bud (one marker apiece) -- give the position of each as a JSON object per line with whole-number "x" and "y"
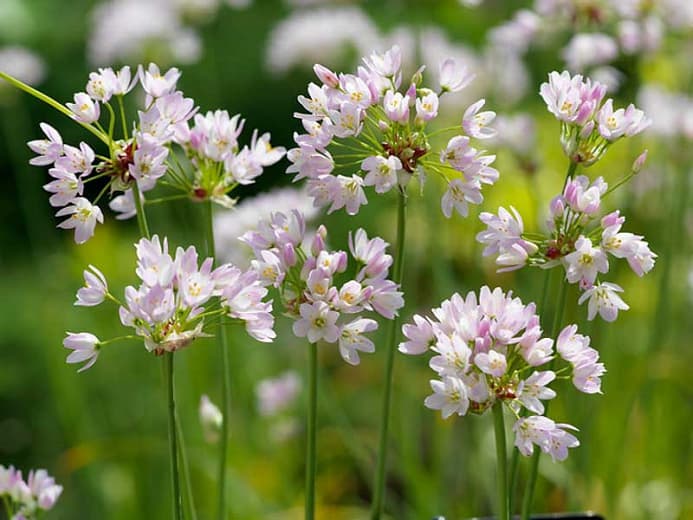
{"x": 639, "y": 162}
{"x": 318, "y": 243}
{"x": 289, "y": 255}
{"x": 325, "y": 75}
{"x": 586, "y": 130}
{"x": 417, "y": 78}
{"x": 557, "y": 206}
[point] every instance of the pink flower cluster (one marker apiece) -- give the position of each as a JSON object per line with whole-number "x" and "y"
{"x": 143, "y": 157}
{"x": 326, "y": 303}
{"x": 169, "y": 307}
{"x": 572, "y": 242}
{"x": 588, "y": 126}
{"x": 26, "y": 500}
{"x": 487, "y": 350}
{"x": 365, "y": 120}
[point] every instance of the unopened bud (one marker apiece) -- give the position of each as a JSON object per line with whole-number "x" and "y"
{"x": 318, "y": 243}
{"x": 289, "y": 254}
{"x": 586, "y": 130}
{"x": 557, "y": 206}
{"x": 639, "y": 162}
{"x": 325, "y": 75}
{"x": 417, "y": 78}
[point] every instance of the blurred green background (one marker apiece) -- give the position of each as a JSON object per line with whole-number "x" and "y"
{"x": 102, "y": 433}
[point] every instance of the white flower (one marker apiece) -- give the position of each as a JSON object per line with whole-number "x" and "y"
{"x": 449, "y": 396}
{"x": 317, "y": 322}
{"x": 604, "y": 300}
{"x": 382, "y": 172}
{"x": 85, "y": 347}
{"x": 95, "y": 290}
{"x": 351, "y": 339}
{"x": 83, "y": 218}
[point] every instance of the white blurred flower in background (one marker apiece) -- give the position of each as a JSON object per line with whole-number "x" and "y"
{"x": 231, "y": 224}
{"x": 23, "y": 64}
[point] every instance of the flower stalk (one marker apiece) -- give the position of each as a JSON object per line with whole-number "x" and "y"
{"x": 225, "y": 384}
{"x": 311, "y": 424}
{"x": 391, "y": 344}
{"x": 167, "y": 367}
{"x": 501, "y": 462}
{"x": 534, "y": 463}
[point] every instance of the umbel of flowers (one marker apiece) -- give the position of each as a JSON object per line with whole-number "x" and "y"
{"x": 27, "y": 499}
{"x": 198, "y": 156}
{"x": 176, "y": 302}
{"x": 588, "y": 126}
{"x": 325, "y": 299}
{"x": 578, "y": 239}
{"x": 489, "y": 349}
{"x": 370, "y": 129}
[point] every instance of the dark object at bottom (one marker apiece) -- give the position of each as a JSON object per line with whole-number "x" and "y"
{"x": 546, "y": 516}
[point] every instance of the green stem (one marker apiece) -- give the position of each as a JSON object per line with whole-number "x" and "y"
{"x": 53, "y": 103}
{"x": 534, "y": 464}
{"x": 167, "y": 365}
{"x": 8, "y": 508}
{"x": 225, "y": 383}
{"x": 572, "y": 169}
{"x": 141, "y": 217}
{"x": 390, "y": 345}
{"x": 501, "y": 462}
{"x": 185, "y": 467}
{"x": 311, "y": 463}
{"x": 515, "y": 458}
{"x": 122, "y": 116}
{"x": 172, "y": 440}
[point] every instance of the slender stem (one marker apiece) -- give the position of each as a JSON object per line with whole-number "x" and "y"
{"x": 379, "y": 493}
{"x": 501, "y": 462}
{"x": 534, "y": 463}
{"x": 572, "y": 169}
{"x": 514, "y": 460}
{"x": 53, "y": 103}
{"x": 185, "y": 467}
{"x": 122, "y": 116}
{"x": 225, "y": 383}
{"x": 311, "y": 462}
{"x": 172, "y": 440}
{"x": 141, "y": 217}
{"x": 8, "y": 508}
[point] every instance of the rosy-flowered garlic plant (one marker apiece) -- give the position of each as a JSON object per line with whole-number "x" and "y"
{"x": 27, "y": 499}
{"x": 145, "y": 150}
{"x": 588, "y": 126}
{"x": 371, "y": 130}
{"x": 488, "y": 349}
{"x": 578, "y": 239}
{"x": 176, "y": 301}
{"x": 326, "y": 302}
